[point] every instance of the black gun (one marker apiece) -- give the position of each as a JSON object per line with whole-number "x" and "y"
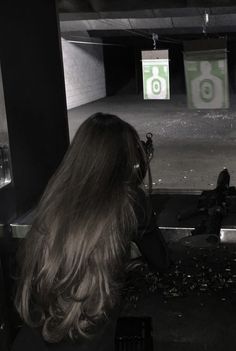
{"x": 214, "y": 205}
{"x": 148, "y": 146}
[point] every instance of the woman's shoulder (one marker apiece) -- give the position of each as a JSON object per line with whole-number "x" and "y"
{"x": 141, "y": 193}
{"x": 140, "y": 199}
{"x": 141, "y": 206}
{"x": 29, "y": 339}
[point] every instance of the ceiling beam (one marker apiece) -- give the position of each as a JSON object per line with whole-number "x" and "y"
{"x": 216, "y": 23}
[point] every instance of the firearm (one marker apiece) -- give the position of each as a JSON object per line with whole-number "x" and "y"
{"x": 213, "y": 205}
{"x": 148, "y": 146}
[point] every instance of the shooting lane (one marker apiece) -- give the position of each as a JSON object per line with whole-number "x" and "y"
{"x": 192, "y": 306}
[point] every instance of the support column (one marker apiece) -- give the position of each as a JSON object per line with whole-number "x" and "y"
{"x": 35, "y": 102}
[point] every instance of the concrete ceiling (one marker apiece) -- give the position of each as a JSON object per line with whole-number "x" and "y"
{"x": 130, "y": 5}
{"x": 113, "y": 18}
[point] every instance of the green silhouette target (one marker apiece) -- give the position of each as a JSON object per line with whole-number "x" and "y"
{"x": 156, "y": 79}
{"x": 206, "y": 82}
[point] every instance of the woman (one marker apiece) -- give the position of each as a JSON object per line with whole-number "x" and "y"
{"x": 76, "y": 252}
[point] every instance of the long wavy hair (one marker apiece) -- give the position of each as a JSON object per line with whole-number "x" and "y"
{"x": 79, "y": 242}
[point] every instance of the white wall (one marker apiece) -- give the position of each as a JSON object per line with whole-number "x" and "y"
{"x": 84, "y": 73}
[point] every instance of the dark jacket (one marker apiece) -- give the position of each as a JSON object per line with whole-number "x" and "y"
{"x": 151, "y": 245}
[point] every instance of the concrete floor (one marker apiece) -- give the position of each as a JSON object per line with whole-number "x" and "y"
{"x": 191, "y": 146}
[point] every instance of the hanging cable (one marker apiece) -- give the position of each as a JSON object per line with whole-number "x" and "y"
{"x": 154, "y": 38}
{"x": 132, "y": 31}
{"x": 141, "y": 33}
{"x": 205, "y": 23}
{"x": 205, "y": 20}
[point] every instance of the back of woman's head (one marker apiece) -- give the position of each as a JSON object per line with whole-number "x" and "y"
{"x": 79, "y": 241}
{"x": 105, "y": 150}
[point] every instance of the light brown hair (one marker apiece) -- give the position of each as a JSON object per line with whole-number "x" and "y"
{"x": 79, "y": 242}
